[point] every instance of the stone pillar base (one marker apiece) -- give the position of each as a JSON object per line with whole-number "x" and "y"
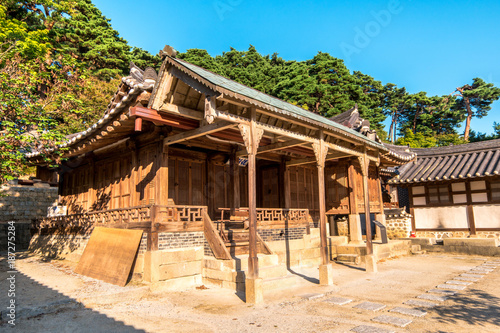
{"x": 355, "y": 229}
{"x": 326, "y": 275}
{"x": 371, "y": 264}
{"x": 254, "y": 291}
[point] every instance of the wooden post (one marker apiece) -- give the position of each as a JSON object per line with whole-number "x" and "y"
{"x": 320, "y": 151}
{"x": 470, "y": 211}
{"x": 251, "y": 136}
{"x": 234, "y": 182}
{"x": 161, "y": 177}
{"x": 285, "y": 195}
{"x": 364, "y": 162}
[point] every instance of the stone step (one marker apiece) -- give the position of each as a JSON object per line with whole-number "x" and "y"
{"x": 279, "y": 283}
{"x": 350, "y": 258}
{"x": 416, "y": 248}
{"x": 239, "y": 262}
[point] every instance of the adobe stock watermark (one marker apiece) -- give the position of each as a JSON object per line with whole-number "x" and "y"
{"x": 224, "y": 6}
{"x": 363, "y": 36}
{"x": 11, "y": 273}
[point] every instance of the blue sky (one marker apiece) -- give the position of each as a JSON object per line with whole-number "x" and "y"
{"x": 423, "y": 45}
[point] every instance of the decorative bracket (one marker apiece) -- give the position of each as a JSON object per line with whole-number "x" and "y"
{"x": 251, "y": 137}
{"x": 320, "y": 151}
{"x": 210, "y": 113}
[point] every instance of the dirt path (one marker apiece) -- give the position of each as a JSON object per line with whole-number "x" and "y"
{"x": 51, "y": 298}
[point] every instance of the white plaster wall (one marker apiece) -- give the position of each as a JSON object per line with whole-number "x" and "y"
{"x": 441, "y": 217}
{"x": 487, "y": 216}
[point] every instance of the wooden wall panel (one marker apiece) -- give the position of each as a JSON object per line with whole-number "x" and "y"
{"x": 337, "y": 191}
{"x": 270, "y": 194}
{"x": 304, "y": 188}
{"x": 186, "y": 181}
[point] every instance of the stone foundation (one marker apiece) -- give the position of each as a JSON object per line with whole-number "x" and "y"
{"x": 272, "y": 235}
{"x": 440, "y": 234}
{"x": 398, "y": 223}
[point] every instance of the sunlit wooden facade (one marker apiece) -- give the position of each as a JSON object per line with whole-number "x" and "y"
{"x": 177, "y": 151}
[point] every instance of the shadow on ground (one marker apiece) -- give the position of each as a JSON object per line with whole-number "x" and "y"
{"x": 474, "y": 308}
{"x": 38, "y": 307}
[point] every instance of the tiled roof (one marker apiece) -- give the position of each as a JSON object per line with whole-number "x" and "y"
{"x": 130, "y": 87}
{"x": 226, "y": 86}
{"x": 479, "y": 159}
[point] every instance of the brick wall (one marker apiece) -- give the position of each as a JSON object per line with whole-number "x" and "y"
{"x": 23, "y": 204}
{"x": 271, "y": 235}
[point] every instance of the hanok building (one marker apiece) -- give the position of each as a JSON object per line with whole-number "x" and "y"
{"x": 454, "y": 191}
{"x": 213, "y": 169}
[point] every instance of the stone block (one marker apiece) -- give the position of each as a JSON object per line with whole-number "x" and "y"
{"x": 421, "y": 304}
{"x": 370, "y": 329}
{"x": 254, "y": 291}
{"x": 172, "y": 256}
{"x": 339, "y": 300}
{"x": 177, "y": 284}
{"x": 409, "y": 312}
{"x": 326, "y": 275}
{"x": 371, "y": 264}
{"x": 385, "y": 319}
{"x": 371, "y": 306}
{"x": 177, "y": 270}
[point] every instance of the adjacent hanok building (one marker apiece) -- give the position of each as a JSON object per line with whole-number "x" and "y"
{"x": 212, "y": 170}
{"x": 454, "y": 191}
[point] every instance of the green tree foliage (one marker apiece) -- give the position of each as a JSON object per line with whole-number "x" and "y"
{"x": 474, "y": 137}
{"x": 474, "y": 100}
{"x": 59, "y": 65}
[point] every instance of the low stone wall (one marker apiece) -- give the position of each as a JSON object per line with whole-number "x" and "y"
{"x": 297, "y": 251}
{"x": 174, "y": 269}
{"x": 440, "y": 234}
{"x": 23, "y": 204}
{"x": 398, "y": 223}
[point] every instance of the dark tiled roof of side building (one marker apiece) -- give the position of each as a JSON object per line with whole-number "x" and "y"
{"x": 477, "y": 159}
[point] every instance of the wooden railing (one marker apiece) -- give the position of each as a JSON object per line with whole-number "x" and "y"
{"x": 174, "y": 218}
{"x": 130, "y": 217}
{"x": 163, "y": 218}
{"x": 267, "y": 216}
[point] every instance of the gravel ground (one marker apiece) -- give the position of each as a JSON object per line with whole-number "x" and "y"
{"x": 51, "y": 298}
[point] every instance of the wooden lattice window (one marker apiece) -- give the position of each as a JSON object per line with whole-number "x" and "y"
{"x": 495, "y": 190}
{"x": 439, "y": 194}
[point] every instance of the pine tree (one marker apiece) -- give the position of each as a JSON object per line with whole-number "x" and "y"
{"x": 475, "y": 100}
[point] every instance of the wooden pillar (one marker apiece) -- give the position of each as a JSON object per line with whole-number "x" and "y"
{"x": 355, "y": 236}
{"x": 234, "y": 182}
{"x": 251, "y": 136}
{"x": 134, "y": 176}
{"x": 470, "y": 211}
{"x": 364, "y": 163}
{"x": 320, "y": 151}
{"x": 285, "y": 199}
{"x": 381, "y": 215}
{"x": 161, "y": 177}
{"x": 92, "y": 192}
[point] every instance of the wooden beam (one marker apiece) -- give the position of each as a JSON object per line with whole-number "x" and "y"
{"x": 200, "y": 131}
{"x": 158, "y": 118}
{"x": 182, "y": 111}
{"x": 275, "y": 146}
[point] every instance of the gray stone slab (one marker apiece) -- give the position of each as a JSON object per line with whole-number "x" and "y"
{"x": 385, "y": 319}
{"x": 465, "y": 278}
{"x": 370, "y": 329}
{"x": 409, "y": 311}
{"x": 370, "y": 306}
{"x": 433, "y": 297}
{"x": 442, "y": 292}
{"x": 419, "y": 303}
{"x": 451, "y": 286}
{"x": 463, "y": 283}
{"x": 311, "y": 296}
{"x": 477, "y": 276}
{"x": 339, "y": 300}
{"x": 479, "y": 271}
